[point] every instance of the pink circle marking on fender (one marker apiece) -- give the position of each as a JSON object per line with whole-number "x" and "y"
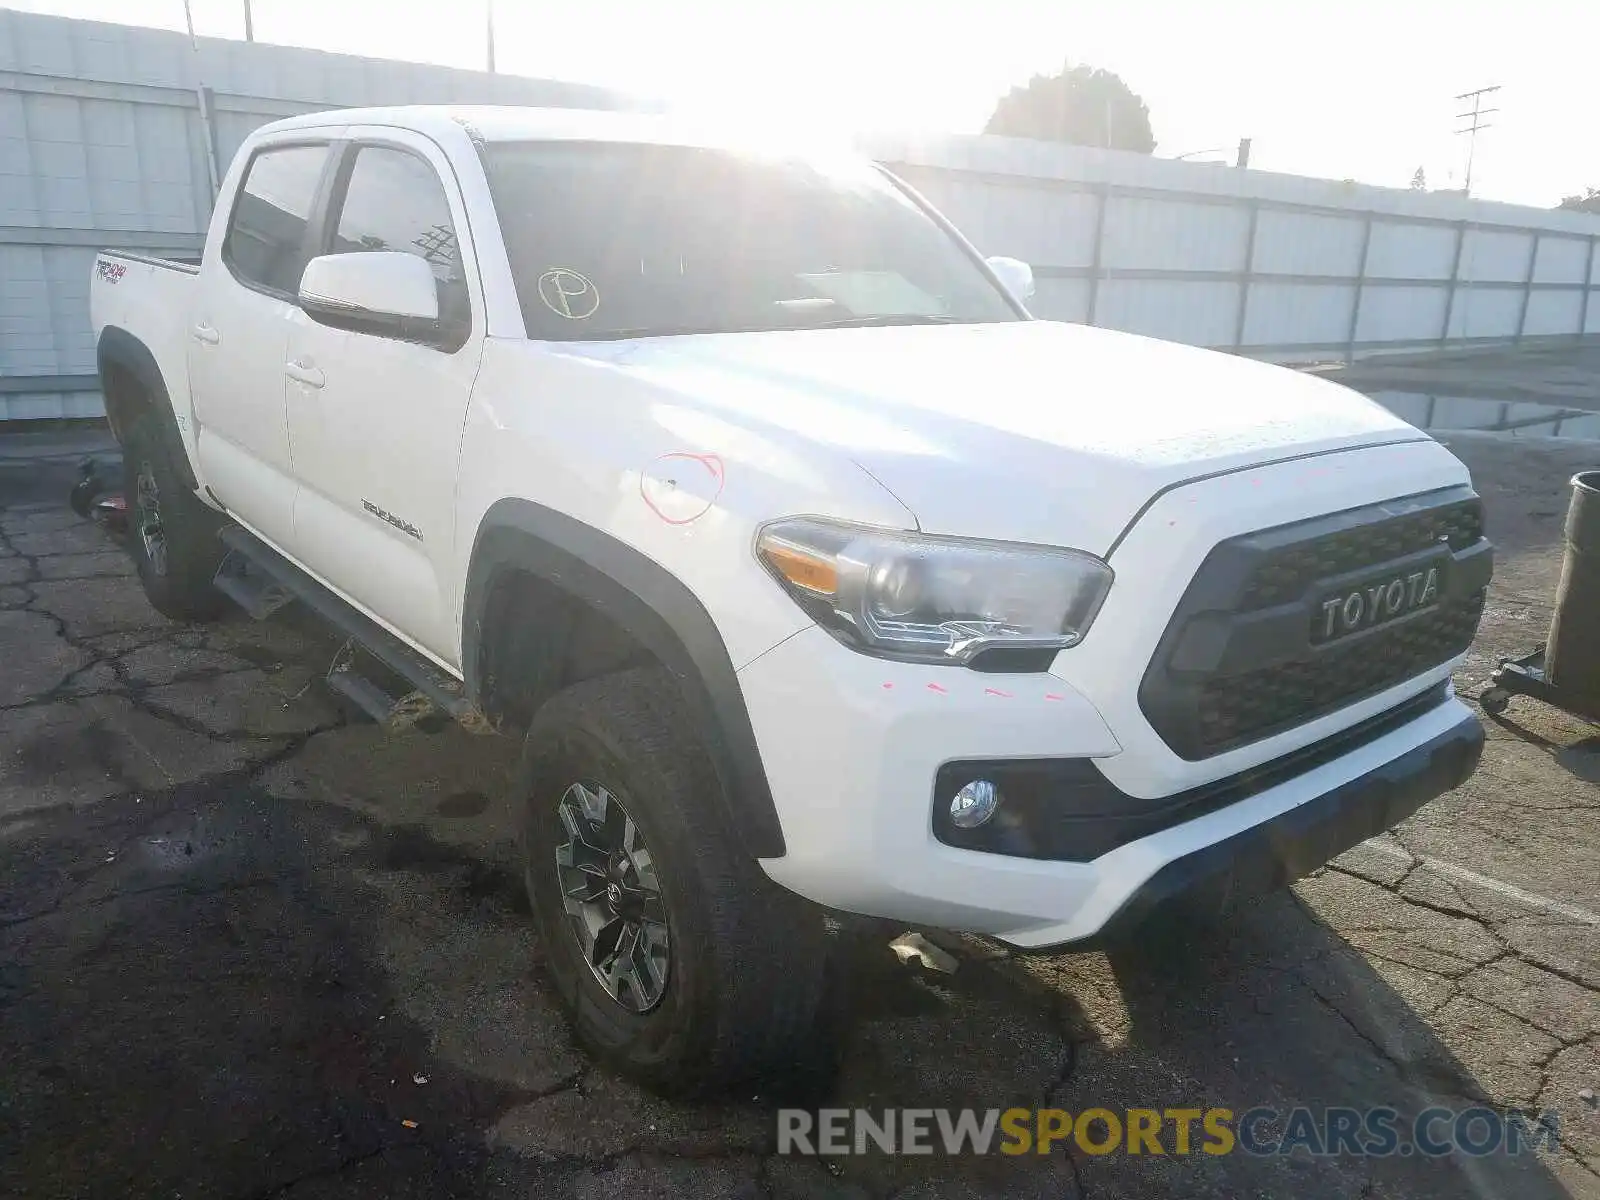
{"x": 681, "y": 487}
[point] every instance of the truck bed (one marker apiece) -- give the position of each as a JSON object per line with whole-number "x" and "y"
{"x": 152, "y": 299}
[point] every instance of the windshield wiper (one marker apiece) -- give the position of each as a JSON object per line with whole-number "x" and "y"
{"x": 642, "y": 331}
{"x": 652, "y": 331}
{"x": 885, "y": 319}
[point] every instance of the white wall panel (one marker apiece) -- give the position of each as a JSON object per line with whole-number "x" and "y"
{"x": 1303, "y": 314}
{"x": 1301, "y": 243}
{"x": 1406, "y": 250}
{"x": 30, "y": 406}
{"x": 1485, "y": 313}
{"x": 1201, "y": 313}
{"x": 1561, "y": 260}
{"x": 1400, "y": 314}
{"x": 1553, "y": 312}
{"x": 1488, "y": 254}
{"x": 1162, "y": 234}
{"x": 1060, "y": 299}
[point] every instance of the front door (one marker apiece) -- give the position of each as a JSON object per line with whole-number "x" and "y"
{"x": 375, "y": 422}
{"x": 238, "y": 331}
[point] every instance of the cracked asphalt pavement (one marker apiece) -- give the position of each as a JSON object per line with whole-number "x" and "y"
{"x": 251, "y": 948}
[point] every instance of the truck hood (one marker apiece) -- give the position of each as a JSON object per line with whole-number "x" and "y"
{"x": 1030, "y": 431}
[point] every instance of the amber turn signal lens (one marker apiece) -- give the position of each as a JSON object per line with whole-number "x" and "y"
{"x": 804, "y": 570}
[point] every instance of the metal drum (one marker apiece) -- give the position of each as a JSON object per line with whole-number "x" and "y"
{"x": 1572, "y": 654}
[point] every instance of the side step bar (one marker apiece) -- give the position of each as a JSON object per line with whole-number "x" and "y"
{"x": 363, "y": 693}
{"x": 258, "y": 593}
{"x": 261, "y": 580}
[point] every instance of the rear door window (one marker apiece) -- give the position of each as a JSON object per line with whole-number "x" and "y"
{"x": 266, "y": 241}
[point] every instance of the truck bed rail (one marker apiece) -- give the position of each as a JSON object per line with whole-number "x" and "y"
{"x": 187, "y": 266}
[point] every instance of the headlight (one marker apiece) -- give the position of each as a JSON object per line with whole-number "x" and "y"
{"x": 934, "y": 599}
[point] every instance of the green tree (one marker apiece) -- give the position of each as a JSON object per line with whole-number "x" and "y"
{"x": 1589, "y": 202}
{"x": 1083, "y": 105}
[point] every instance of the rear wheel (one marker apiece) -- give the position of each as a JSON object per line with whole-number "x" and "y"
{"x": 171, "y": 534}
{"x": 677, "y": 960}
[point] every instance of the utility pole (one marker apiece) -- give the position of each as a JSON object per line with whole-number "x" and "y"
{"x": 205, "y": 101}
{"x": 1475, "y": 122}
{"x": 488, "y": 13}
{"x": 249, "y": 25}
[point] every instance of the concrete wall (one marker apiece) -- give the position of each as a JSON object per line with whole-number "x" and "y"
{"x": 102, "y": 143}
{"x": 1278, "y": 266}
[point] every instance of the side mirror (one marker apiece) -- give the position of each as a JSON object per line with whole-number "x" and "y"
{"x": 385, "y": 292}
{"x": 1015, "y": 274}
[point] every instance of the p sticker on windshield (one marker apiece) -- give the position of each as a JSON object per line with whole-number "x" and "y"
{"x": 569, "y": 294}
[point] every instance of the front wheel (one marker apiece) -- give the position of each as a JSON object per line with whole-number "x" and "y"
{"x": 172, "y": 535}
{"x": 676, "y": 959}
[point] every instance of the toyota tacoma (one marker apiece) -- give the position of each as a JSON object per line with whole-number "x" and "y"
{"x": 813, "y": 572}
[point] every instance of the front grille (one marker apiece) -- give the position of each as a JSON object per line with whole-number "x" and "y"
{"x": 1256, "y": 704}
{"x": 1237, "y": 663}
{"x": 1287, "y": 574}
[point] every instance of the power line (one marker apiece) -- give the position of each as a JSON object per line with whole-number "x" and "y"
{"x": 1241, "y": 152}
{"x": 1475, "y": 123}
{"x": 249, "y": 23}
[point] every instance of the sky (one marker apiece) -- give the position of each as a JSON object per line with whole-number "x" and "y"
{"x": 1358, "y": 89}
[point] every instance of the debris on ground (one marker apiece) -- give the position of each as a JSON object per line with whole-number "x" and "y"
{"x": 912, "y": 945}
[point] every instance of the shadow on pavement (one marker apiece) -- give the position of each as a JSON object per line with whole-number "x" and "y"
{"x": 247, "y": 950}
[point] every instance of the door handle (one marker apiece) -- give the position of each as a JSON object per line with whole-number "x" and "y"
{"x": 206, "y": 333}
{"x": 303, "y": 372}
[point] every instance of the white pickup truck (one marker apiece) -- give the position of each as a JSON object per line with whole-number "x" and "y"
{"x": 815, "y": 573}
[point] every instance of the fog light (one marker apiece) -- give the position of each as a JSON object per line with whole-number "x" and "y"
{"x": 974, "y": 803}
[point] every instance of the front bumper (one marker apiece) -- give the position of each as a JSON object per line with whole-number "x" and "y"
{"x": 1268, "y": 856}
{"x": 852, "y": 744}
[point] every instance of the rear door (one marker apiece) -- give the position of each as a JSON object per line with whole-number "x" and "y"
{"x": 239, "y": 327}
{"x": 375, "y": 422}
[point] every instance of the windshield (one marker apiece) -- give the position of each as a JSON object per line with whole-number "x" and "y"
{"x": 614, "y": 240}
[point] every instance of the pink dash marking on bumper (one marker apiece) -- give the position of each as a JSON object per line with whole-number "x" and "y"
{"x": 997, "y": 692}
{"x": 940, "y": 688}
{"x": 1053, "y": 696}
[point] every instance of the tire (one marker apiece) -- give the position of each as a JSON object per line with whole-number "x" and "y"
{"x": 171, "y": 534}
{"x": 743, "y": 975}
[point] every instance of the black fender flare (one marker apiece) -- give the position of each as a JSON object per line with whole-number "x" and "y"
{"x": 120, "y": 349}
{"x": 655, "y": 608}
